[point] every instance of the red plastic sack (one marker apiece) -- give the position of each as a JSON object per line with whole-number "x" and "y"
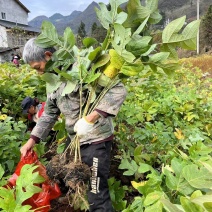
{"x": 49, "y": 191}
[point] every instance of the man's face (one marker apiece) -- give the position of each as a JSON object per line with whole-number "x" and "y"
{"x": 38, "y": 66}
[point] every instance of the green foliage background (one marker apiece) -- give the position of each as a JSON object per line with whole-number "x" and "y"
{"x": 163, "y": 131}
{"x": 15, "y": 85}
{"x": 164, "y": 140}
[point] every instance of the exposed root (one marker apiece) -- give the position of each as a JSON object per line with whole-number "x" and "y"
{"x": 71, "y": 175}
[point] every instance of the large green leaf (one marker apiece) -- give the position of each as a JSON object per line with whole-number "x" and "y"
{"x": 103, "y": 80}
{"x": 155, "y": 17}
{"x": 122, "y": 37}
{"x": 136, "y": 13}
{"x": 169, "y": 68}
{"x": 197, "y": 177}
{"x": 152, "y": 5}
{"x": 177, "y": 165}
{"x": 63, "y": 54}
{"x": 7, "y": 200}
{"x": 187, "y": 39}
{"x": 144, "y": 168}
{"x": 115, "y": 16}
{"x": 137, "y": 205}
{"x": 170, "y": 207}
{"x": 131, "y": 69}
{"x": 25, "y": 208}
{"x": 103, "y": 15}
{"x": 130, "y": 166}
{"x": 157, "y": 206}
{"x": 188, "y": 206}
{"x": 70, "y": 86}
{"x": 94, "y": 54}
{"x": 190, "y": 34}
{"x": 115, "y": 59}
{"x": 170, "y": 47}
{"x": 25, "y": 184}
{"x": 152, "y": 197}
{"x": 52, "y": 81}
{"x": 112, "y": 16}
{"x": 141, "y": 27}
{"x": 63, "y": 74}
{"x": 101, "y": 61}
{"x": 82, "y": 58}
{"x": 150, "y": 50}
{"x": 87, "y": 42}
{"x": 91, "y": 77}
{"x": 159, "y": 57}
{"x": 204, "y": 201}
{"x": 69, "y": 38}
{"x": 138, "y": 45}
{"x": 177, "y": 182}
{"x": 172, "y": 28}
{"x": 48, "y": 36}
{"x": 191, "y": 29}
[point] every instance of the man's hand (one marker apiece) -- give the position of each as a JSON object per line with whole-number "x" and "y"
{"x": 27, "y": 146}
{"x": 84, "y": 125}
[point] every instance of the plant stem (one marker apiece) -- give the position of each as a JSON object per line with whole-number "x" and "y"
{"x": 102, "y": 94}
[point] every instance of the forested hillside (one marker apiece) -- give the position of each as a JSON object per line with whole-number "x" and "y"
{"x": 174, "y": 9}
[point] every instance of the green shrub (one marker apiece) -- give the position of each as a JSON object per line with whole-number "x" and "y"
{"x": 163, "y": 132}
{"x": 12, "y": 134}
{"x": 15, "y": 85}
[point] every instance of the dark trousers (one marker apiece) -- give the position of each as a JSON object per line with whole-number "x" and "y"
{"x": 97, "y": 157}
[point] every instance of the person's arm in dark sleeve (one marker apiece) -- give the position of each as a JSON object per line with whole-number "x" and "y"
{"x": 43, "y": 126}
{"x": 46, "y": 121}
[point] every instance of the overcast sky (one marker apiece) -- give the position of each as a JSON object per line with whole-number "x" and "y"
{"x": 50, "y": 7}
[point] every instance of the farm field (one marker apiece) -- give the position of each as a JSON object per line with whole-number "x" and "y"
{"x": 168, "y": 127}
{"x": 161, "y": 153}
{"x": 203, "y": 62}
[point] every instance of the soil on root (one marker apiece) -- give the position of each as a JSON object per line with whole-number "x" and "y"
{"x": 72, "y": 178}
{"x": 66, "y": 170}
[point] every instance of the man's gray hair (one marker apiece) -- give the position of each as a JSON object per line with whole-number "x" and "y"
{"x": 33, "y": 53}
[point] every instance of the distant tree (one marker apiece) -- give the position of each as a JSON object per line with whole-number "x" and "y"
{"x": 81, "y": 33}
{"x": 93, "y": 27}
{"x": 99, "y": 33}
{"x": 206, "y": 27}
{"x": 81, "y": 30}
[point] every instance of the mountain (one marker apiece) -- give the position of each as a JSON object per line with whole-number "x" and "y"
{"x": 88, "y": 17}
{"x": 37, "y": 21}
{"x": 57, "y": 18}
{"x": 172, "y": 9}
